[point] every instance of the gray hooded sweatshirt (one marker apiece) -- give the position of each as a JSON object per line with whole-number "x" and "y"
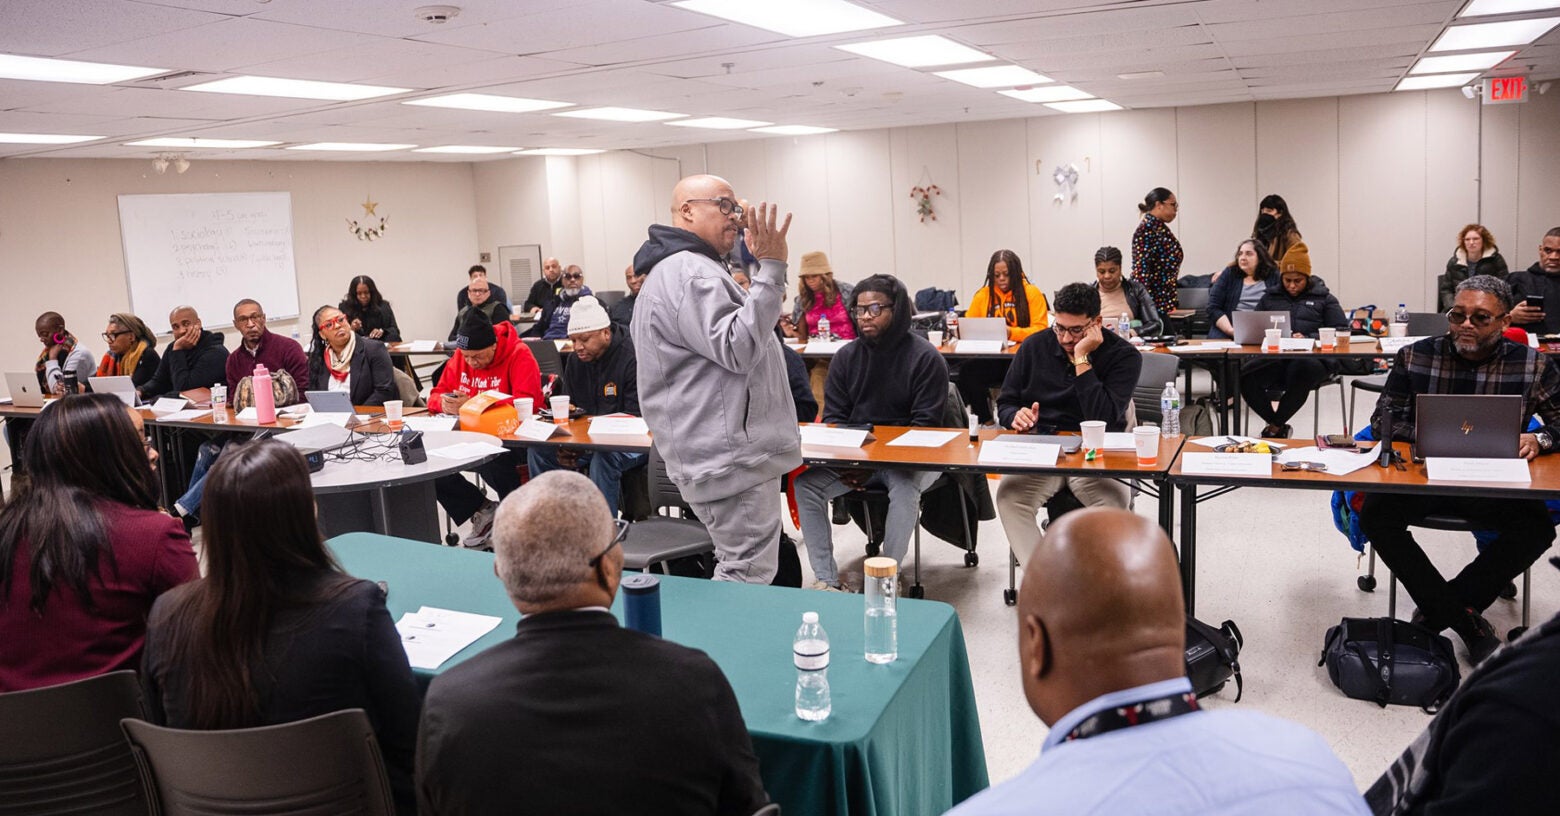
{"x": 712, "y": 379}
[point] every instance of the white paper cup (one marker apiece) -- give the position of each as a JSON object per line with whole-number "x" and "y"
{"x": 1271, "y": 338}
{"x": 393, "y": 411}
{"x": 1146, "y": 439}
{"x": 560, "y": 409}
{"x": 1397, "y": 329}
{"x": 1329, "y": 337}
{"x": 935, "y": 338}
{"x": 1093, "y": 434}
{"x": 525, "y": 406}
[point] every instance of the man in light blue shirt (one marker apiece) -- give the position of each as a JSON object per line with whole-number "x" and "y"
{"x": 1101, "y": 647}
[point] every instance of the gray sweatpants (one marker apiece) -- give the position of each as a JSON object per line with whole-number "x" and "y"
{"x": 746, "y": 532}
{"x": 1021, "y": 497}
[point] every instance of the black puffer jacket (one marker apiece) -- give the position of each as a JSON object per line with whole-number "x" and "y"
{"x": 1314, "y": 308}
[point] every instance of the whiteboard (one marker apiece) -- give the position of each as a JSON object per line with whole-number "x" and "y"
{"x": 208, "y": 250}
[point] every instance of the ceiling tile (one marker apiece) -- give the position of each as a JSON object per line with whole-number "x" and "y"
{"x": 224, "y": 45}
{"x": 51, "y": 28}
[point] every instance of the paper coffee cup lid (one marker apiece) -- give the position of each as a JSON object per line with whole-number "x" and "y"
{"x": 880, "y": 567}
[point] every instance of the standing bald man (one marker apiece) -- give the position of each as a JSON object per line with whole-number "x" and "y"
{"x": 1101, "y": 642}
{"x": 712, "y": 380}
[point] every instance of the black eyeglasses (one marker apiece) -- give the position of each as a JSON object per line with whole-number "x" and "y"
{"x": 622, "y": 533}
{"x": 1070, "y": 331}
{"x": 871, "y": 310}
{"x": 1479, "y": 319}
{"x": 725, "y": 205}
{"x": 110, "y": 337}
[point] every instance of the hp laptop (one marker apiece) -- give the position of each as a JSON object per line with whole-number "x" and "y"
{"x": 1251, "y": 327}
{"x": 317, "y": 439}
{"x": 1468, "y": 427}
{"x": 120, "y": 387}
{"x": 24, "y": 389}
{"x": 983, "y": 328}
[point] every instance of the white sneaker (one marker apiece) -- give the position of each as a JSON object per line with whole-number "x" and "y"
{"x": 481, "y": 526}
{"x": 822, "y": 587}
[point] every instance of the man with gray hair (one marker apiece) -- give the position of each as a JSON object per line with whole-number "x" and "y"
{"x": 1473, "y": 357}
{"x": 713, "y": 381}
{"x": 577, "y": 714}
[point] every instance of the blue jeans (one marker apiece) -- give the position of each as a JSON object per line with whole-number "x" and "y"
{"x": 189, "y": 503}
{"x": 817, "y": 486}
{"x": 605, "y": 468}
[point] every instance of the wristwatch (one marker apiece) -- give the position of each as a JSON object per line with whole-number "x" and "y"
{"x": 1081, "y": 360}
{"x": 1545, "y": 441}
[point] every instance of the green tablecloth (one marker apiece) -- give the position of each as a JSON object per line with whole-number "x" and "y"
{"x": 903, "y": 739}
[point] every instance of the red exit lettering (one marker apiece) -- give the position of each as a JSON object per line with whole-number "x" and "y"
{"x": 1508, "y": 89}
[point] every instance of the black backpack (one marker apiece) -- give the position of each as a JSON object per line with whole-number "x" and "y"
{"x": 1213, "y": 656}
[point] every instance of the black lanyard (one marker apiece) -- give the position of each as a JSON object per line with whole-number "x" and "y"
{"x": 1115, "y": 719}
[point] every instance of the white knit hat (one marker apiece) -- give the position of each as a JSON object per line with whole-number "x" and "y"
{"x": 586, "y": 315}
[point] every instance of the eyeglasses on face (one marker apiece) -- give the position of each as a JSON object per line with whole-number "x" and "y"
{"x": 1070, "y": 331}
{"x": 1479, "y": 319}
{"x": 725, "y": 205}
{"x": 475, "y": 291}
{"x": 110, "y": 337}
{"x": 622, "y": 533}
{"x": 574, "y": 276}
{"x": 338, "y": 320}
{"x": 245, "y": 320}
{"x": 871, "y": 309}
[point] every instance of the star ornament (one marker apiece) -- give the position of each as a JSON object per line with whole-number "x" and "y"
{"x": 368, "y": 206}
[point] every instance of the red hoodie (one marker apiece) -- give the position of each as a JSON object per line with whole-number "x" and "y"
{"x": 513, "y": 371}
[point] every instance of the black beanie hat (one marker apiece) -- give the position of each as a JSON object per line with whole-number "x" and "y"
{"x": 476, "y": 332}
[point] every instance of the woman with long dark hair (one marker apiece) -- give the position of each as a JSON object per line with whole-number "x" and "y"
{"x": 1275, "y": 229}
{"x": 340, "y": 360}
{"x": 276, "y": 632}
{"x": 1008, "y": 294}
{"x": 1240, "y": 287}
{"x": 818, "y": 297}
{"x": 368, "y": 312}
{"x": 83, "y": 549}
{"x": 1156, "y": 253}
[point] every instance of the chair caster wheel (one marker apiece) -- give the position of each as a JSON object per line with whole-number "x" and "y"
{"x": 873, "y": 548}
{"x": 1510, "y": 592}
{"x": 1367, "y": 583}
{"x": 1010, "y": 596}
{"x": 452, "y": 539}
{"x": 916, "y": 591}
{"x": 971, "y": 559}
{"x": 1515, "y": 633}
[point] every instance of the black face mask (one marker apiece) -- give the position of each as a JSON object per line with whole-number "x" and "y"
{"x": 1266, "y": 225}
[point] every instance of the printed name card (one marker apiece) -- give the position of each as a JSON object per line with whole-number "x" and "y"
{"x": 1227, "y": 464}
{"x": 1456, "y": 469}
{"x": 1018, "y": 454}
{"x": 977, "y": 347}
{"x": 826, "y": 437}
{"x": 538, "y": 431}
{"x": 167, "y": 405}
{"x": 618, "y": 425}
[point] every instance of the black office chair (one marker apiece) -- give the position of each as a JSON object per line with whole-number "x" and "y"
{"x": 546, "y": 353}
{"x": 325, "y": 764}
{"x": 61, "y": 750}
{"x": 1316, "y": 403}
{"x": 610, "y": 297}
{"x": 1157, "y": 370}
{"x": 1196, "y": 299}
{"x": 1367, "y": 582}
{"x": 662, "y": 538}
{"x": 1420, "y": 324}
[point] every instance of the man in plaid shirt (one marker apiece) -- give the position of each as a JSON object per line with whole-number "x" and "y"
{"x": 1471, "y": 358}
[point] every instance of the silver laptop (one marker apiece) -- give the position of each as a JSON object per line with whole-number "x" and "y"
{"x": 24, "y": 389}
{"x": 983, "y": 328}
{"x": 319, "y": 438}
{"x": 1251, "y": 327}
{"x": 120, "y": 387}
{"x": 329, "y": 402}
{"x": 1485, "y": 426}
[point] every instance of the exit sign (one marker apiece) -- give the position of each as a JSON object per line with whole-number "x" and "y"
{"x": 1505, "y": 90}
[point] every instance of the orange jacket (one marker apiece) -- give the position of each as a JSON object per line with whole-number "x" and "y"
{"x": 1039, "y": 316}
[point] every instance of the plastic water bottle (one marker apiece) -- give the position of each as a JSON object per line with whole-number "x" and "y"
{"x": 1124, "y": 325}
{"x": 951, "y": 323}
{"x": 219, "y": 403}
{"x": 882, "y": 619}
{"x": 265, "y": 400}
{"x": 1170, "y": 407}
{"x": 810, "y": 651}
{"x": 823, "y": 329}
{"x": 1402, "y": 314}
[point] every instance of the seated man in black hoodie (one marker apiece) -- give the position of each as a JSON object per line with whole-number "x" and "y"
{"x": 1542, "y": 279}
{"x": 601, "y": 377}
{"x": 195, "y": 359}
{"x": 1060, "y": 377}
{"x": 1311, "y": 307}
{"x": 887, "y": 376}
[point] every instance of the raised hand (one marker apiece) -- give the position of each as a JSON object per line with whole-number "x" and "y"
{"x": 764, "y": 239}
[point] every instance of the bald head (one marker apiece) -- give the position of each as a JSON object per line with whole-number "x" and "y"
{"x": 544, "y": 537}
{"x": 696, "y": 207}
{"x": 1100, "y": 610}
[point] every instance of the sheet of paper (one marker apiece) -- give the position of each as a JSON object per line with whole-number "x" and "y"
{"x": 167, "y": 405}
{"x": 978, "y": 347}
{"x": 823, "y": 436}
{"x": 1454, "y": 469}
{"x": 824, "y": 346}
{"x": 185, "y": 416}
{"x": 1361, "y": 340}
{"x": 537, "y": 430}
{"x": 1390, "y": 345}
{"x": 1227, "y": 464}
{"x": 1338, "y": 461}
{"x": 429, "y": 423}
{"x": 432, "y": 636}
{"x": 466, "y": 450}
{"x": 618, "y": 425}
{"x": 422, "y": 345}
{"x": 1119, "y": 441}
{"x": 5, "y": 400}
{"x": 925, "y": 439}
{"x": 248, "y": 413}
{"x": 1215, "y": 441}
{"x": 1211, "y": 345}
{"x": 1030, "y": 454}
{"x": 1296, "y": 344}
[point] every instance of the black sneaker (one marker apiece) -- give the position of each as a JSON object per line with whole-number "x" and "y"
{"x": 1478, "y": 635}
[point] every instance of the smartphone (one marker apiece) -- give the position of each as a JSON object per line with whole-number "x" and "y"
{"x": 1536, "y": 302}
{"x": 1336, "y": 441}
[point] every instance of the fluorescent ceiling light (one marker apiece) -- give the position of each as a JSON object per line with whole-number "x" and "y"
{"x": 352, "y": 147}
{"x": 39, "y": 69}
{"x": 793, "y": 18}
{"x": 180, "y": 141}
{"x": 1479, "y": 8}
{"x": 997, "y": 76}
{"x": 720, "y": 123}
{"x": 1141, "y": 75}
{"x": 559, "y": 151}
{"x": 611, "y": 114}
{"x": 794, "y": 130}
{"x": 1460, "y": 62}
{"x": 917, "y": 52}
{"x": 1420, "y": 83}
{"x": 294, "y": 88}
{"x": 43, "y": 138}
{"x": 1493, "y": 35}
{"x": 488, "y": 102}
{"x": 470, "y": 149}
{"x": 1048, "y": 93}
{"x": 1084, "y": 106}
